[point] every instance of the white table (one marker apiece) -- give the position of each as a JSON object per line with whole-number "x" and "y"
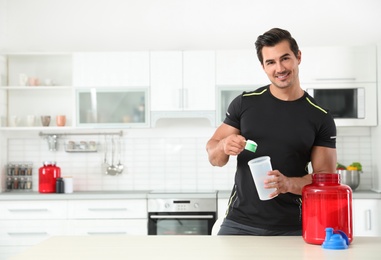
{"x": 194, "y": 248}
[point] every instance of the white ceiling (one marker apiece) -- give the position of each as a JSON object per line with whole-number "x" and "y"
{"x": 119, "y": 25}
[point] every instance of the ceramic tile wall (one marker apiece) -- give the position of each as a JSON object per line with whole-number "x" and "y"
{"x": 175, "y": 160}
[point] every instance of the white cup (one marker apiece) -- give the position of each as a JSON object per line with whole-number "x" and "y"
{"x": 68, "y": 184}
{"x": 23, "y": 79}
{"x": 48, "y": 82}
{"x": 14, "y": 121}
{"x": 259, "y": 168}
{"x": 30, "y": 120}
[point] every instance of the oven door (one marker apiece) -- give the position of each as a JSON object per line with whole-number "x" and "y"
{"x": 181, "y": 223}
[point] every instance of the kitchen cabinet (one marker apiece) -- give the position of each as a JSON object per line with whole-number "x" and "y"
{"x": 26, "y": 223}
{"x": 182, "y": 80}
{"x": 36, "y": 84}
{"x": 111, "y": 69}
{"x": 367, "y": 217}
{"x": 117, "y": 107}
{"x": 338, "y": 64}
{"x": 92, "y": 217}
{"x": 239, "y": 68}
{"x": 112, "y": 89}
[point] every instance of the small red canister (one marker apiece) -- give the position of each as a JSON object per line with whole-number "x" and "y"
{"x": 47, "y": 176}
{"x": 326, "y": 203}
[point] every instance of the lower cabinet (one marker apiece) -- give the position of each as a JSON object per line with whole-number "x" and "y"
{"x": 92, "y": 227}
{"x": 27, "y": 223}
{"x": 112, "y": 217}
{"x": 367, "y": 217}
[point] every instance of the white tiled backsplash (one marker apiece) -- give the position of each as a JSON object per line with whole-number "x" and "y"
{"x": 164, "y": 159}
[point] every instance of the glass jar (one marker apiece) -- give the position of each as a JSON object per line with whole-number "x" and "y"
{"x": 47, "y": 176}
{"x": 9, "y": 184}
{"x": 326, "y": 203}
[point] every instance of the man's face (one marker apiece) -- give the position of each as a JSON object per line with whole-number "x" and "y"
{"x": 281, "y": 65}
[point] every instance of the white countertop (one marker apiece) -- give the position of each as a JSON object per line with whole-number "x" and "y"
{"x": 194, "y": 248}
{"x": 76, "y": 195}
{"x": 134, "y": 194}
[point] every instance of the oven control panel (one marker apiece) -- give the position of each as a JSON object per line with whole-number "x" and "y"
{"x": 182, "y": 205}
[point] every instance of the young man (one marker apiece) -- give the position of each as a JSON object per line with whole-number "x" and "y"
{"x": 290, "y": 127}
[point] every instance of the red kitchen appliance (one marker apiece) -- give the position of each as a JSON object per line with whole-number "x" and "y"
{"x": 47, "y": 176}
{"x": 326, "y": 204}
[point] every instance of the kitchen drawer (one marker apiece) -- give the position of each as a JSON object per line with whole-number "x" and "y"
{"x": 29, "y": 232}
{"x": 108, "y": 227}
{"x": 33, "y": 210}
{"x": 366, "y": 217}
{"x": 107, "y": 209}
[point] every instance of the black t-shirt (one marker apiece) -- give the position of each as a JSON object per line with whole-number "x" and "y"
{"x": 286, "y": 131}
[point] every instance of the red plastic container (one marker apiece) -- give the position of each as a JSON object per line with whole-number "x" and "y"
{"x": 326, "y": 203}
{"x": 47, "y": 176}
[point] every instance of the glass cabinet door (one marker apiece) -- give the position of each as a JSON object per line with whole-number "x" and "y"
{"x": 112, "y": 107}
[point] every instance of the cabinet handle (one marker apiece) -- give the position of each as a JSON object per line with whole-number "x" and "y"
{"x": 368, "y": 219}
{"x": 106, "y": 233}
{"x": 185, "y": 98}
{"x": 181, "y": 98}
{"x": 335, "y": 79}
{"x": 27, "y": 233}
{"x": 107, "y": 209}
{"x": 27, "y": 210}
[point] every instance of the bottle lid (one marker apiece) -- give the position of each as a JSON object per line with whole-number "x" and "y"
{"x": 337, "y": 240}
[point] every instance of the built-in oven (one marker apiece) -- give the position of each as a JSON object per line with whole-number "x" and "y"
{"x": 181, "y": 214}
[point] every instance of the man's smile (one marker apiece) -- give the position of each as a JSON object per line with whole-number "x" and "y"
{"x": 282, "y": 76}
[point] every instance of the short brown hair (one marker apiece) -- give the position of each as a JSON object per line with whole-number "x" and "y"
{"x": 273, "y": 37}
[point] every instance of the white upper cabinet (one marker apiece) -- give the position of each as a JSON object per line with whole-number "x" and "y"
{"x": 114, "y": 69}
{"x": 338, "y": 64}
{"x": 166, "y": 80}
{"x": 182, "y": 80}
{"x": 239, "y": 67}
{"x": 199, "y": 80}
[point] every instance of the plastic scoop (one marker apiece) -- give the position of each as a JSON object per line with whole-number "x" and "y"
{"x": 251, "y": 146}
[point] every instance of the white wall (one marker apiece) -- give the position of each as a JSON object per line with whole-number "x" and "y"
{"x": 167, "y": 158}
{"x": 122, "y": 25}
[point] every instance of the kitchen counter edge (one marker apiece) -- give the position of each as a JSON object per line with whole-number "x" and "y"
{"x": 77, "y": 195}
{"x": 138, "y": 194}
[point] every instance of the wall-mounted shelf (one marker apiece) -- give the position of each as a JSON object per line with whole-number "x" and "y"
{"x": 120, "y": 133}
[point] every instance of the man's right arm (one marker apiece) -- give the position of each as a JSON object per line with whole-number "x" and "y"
{"x": 225, "y": 141}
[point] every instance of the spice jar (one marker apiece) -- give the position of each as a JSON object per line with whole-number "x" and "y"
{"x": 28, "y": 184}
{"x": 326, "y": 203}
{"x": 11, "y": 169}
{"x": 15, "y": 183}
{"x": 9, "y": 183}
